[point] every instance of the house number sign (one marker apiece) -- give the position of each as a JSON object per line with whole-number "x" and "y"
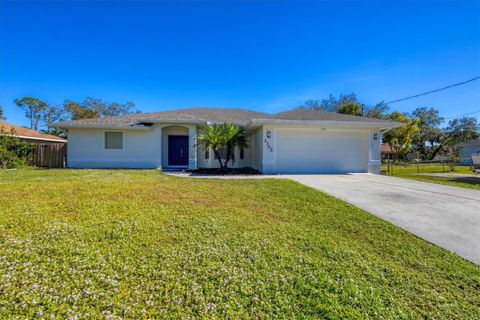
{"x": 268, "y": 145}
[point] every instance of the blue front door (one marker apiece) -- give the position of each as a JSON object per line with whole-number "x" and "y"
{"x": 178, "y": 150}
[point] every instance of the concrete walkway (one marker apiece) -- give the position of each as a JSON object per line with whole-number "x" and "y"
{"x": 446, "y": 216}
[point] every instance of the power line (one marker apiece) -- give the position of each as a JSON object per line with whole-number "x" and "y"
{"x": 461, "y": 115}
{"x": 433, "y": 91}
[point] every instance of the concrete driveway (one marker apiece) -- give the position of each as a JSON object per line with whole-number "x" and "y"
{"x": 446, "y": 216}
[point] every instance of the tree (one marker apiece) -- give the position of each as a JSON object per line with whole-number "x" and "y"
{"x": 116, "y": 109}
{"x": 453, "y": 156}
{"x": 55, "y": 131}
{"x": 378, "y": 111}
{"x": 400, "y": 138}
{"x": 313, "y": 105}
{"x": 350, "y": 108}
{"x": 34, "y": 109}
{"x": 40, "y": 113}
{"x": 213, "y": 137}
{"x": 2, "y": 117}
{"x": 96, "y": 108}
{"x": 238, "y": 139}
{"x": 458, "y": 130}
{"x": 220, "y": 137}
{"x": 78, "y": 111}
{"x": 429, "y": 132}
{"x": 347, "y": 104}
{"x": 50, "y": 115}
{"x": 331, "y": 104}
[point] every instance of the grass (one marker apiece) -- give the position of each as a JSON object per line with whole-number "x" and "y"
{"x": 140, "y": 244}
{"x": 409, "y": 171}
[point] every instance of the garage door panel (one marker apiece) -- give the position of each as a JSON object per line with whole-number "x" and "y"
{"x": 307, "y": 150}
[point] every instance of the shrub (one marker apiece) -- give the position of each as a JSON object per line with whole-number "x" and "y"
{"x": 453, "y": 157}
{"x": 14, "y": 152}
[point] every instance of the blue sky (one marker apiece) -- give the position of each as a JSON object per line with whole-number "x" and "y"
{"x": 263, "y": 55}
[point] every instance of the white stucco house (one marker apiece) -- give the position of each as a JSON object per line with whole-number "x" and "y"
{"x": 295, "y": 141}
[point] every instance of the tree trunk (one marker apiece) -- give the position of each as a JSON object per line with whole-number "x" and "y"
{"x": 394, "y": 154}
{"x": 439, "y": 147}
{"x": 436, "y": 150}
{"x": 229, "y": 156}
{"x": 217, "y": 154}
{"x": 434, "y": 153}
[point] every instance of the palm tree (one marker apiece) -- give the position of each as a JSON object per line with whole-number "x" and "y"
{"x": 222, "y": 136}
{"x": 213, "y": 137}
{"x": 238, "y": 139}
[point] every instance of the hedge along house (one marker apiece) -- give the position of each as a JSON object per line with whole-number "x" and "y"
{"x": 295, "y": 141}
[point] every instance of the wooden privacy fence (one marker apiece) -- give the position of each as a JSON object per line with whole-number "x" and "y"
{"x": 50, "y": 155}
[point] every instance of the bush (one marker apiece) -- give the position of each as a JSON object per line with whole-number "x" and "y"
{"x": 14, "y": 152}
{"x": 453, "y": 157}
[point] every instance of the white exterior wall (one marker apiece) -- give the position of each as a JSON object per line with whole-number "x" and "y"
{"x": 306, "y": 149}
{"x": 211, "y": 162}
{"x": 374, "y": 152}
{"x": 141, "y": 149}
{"x": 256, "y": 145}
{"x": 271, "y": 149}
{"x": 466, "y": 154}
{"x": 192, "y": 147}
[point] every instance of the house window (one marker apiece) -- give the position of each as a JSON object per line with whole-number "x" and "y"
{"x": 375, "y": 136}
{"x": 207, "y": 154}
{"x": 242, "y": 154}
{"x": 114, "y": 140}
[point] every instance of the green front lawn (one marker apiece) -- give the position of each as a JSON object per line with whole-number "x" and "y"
{"x": 140, "y": 244}
{"x": 410, "y": 171}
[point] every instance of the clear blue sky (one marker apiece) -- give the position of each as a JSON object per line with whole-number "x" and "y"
{"x": 262, "y": 55}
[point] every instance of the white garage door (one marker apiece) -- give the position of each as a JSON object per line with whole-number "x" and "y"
{"x": 314, "y": 150}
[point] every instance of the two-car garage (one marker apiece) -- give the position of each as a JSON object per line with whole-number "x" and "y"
{"x": 320, "y": 150}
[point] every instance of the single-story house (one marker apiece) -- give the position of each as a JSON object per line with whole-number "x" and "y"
{"x": 29, "y": 135}
{"x": 467, "y": 149}
{"x": 386, "y": 151}
{"x": 295, "y": 141}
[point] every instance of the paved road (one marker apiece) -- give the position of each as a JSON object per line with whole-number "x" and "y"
{"x": 446, "y": 216}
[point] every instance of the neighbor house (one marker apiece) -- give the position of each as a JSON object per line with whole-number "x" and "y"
{"x": 298, "y": 140}
{"x": 29, "y": 135}
{"x": 467, "y": 149}
{"x": 386, "y": 151}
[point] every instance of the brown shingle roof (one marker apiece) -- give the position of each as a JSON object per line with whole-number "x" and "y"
{"x": 28, "y": 133}
{"x": 385, "y": 147}
{"x": 218, "y": 115}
